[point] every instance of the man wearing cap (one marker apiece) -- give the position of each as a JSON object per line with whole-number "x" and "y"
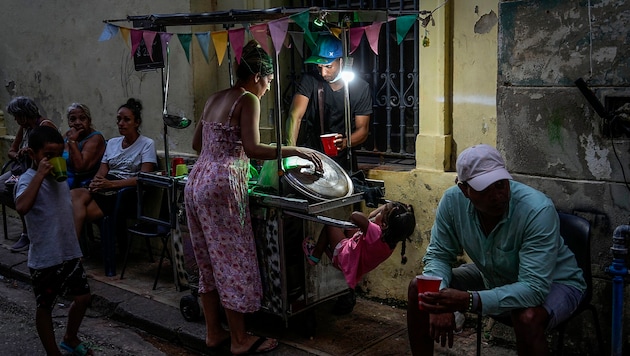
{"x": 307, "y": 122}
{"x": 520, "y": 269}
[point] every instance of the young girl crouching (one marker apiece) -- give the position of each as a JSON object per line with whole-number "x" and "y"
{"x": 358, "y": 251}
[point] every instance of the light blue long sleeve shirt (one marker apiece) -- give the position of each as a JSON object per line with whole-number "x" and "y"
{"x": 520, "y": 258}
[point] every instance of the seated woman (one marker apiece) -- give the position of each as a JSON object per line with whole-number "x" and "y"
{"x": 124, "y": 158}
{"x": 26, "y": 114}
{"x": 84, "y": 146}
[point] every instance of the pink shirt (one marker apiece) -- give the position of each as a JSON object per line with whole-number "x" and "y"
{"x": 360, "y": 254}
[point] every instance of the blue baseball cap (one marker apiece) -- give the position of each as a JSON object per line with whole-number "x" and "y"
{"x": 329, "y": 48}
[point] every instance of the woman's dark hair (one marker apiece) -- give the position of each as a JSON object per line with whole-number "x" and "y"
{"x": 41, "y": 135}
{"x": 400, "y": 223}
{"x": 254, "y": 60}
{"x": 23, "y": 106}
{"x": 136, "y": 108}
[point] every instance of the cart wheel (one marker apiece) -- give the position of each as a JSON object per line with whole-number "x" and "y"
{"x": 189, "y": 307}
{"x": 307, "y": 323}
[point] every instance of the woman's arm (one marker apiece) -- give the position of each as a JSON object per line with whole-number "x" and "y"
{"x": 91, "y": 153}
{"x": 15, "y": 145}
{"x": 249, "y": 119}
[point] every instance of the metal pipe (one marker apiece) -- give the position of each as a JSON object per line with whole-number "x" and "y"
{"x": 346, "y": 96}
{"x": 618, "y": 270}
{"x": 278, "y": 124}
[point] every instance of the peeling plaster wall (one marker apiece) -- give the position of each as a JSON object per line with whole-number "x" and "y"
{"x": 52, "y": 54}
{"x": 550, "y": 135}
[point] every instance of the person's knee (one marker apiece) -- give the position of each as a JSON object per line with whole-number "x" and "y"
{"x": 530, "y": 319}
{"x": 412, "y": 292}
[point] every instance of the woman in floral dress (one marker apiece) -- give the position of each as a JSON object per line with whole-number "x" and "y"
{"x": 217, "y": 202}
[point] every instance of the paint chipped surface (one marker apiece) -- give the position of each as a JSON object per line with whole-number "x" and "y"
{"x": 596, "y": 158}
{"x": 486, "y": 23}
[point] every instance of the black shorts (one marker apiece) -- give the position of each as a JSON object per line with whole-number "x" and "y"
{"x": 68, "y": 278}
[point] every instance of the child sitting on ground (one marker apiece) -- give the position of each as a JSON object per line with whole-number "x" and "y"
{"x": 358, "y": 251}
{"x": 54, "y": 256}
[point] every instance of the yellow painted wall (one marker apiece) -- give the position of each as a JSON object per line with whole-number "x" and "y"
{"x": 458, "y": 74}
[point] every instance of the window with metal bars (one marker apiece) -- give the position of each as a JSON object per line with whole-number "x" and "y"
{"x": 393, "y": 78}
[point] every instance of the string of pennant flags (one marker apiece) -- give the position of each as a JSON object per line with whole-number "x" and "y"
{"x": 277, "y": 29}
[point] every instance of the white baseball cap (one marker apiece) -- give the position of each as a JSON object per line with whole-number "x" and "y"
{"x": 481, "y": 165}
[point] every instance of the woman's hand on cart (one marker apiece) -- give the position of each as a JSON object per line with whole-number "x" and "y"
{"x": 312, "y": 156}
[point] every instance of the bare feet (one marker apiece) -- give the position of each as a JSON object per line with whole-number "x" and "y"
{"x": 218, "y": 339}
{"x": 253, "y": 345}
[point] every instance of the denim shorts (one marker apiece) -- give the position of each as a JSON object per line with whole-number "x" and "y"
{"x": 560, "y": 303}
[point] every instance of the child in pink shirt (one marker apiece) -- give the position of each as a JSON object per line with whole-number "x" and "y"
{"x": 358, "y": 251}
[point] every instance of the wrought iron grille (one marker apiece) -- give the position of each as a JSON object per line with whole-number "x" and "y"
{"x": 393, "y": 77}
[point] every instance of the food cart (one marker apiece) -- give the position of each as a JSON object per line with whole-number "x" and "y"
{"x": 293, "y": 203}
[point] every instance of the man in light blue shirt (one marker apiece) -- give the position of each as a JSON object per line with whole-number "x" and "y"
{"x": 521, "y": 267}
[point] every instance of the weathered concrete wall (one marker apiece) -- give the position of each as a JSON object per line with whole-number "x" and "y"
{"x": 551, "y": 137}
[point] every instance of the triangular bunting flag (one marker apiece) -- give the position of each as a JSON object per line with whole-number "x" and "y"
{"x": 136, "y": 36}
{"x": 298, "y": 41}
{"x": 185, "y": 39}
{"x": 356, "y": 33}
{"x": 148, "y": 37}
{"x": 302, "y": 19}
{"x": 372, "y": 33}
{"x": 165, "y": 38}
{"x": 336, "y": 31}
{"x": 259, "y": 32}
{"x": 237, "y": 39}
{"x": 220, "y": 40}
{"x": 108, "y": 32}
{"x": 124, "y": 33}
{"x": 278, "y": 30}
{"x": 403, "y": 24}
{"x": 204, "y": 40}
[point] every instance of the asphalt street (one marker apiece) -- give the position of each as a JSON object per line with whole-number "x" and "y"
{"x": 18, "y": 335}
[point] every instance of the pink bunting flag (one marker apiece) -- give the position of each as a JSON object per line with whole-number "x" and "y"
{"x": 278, "y": 30}
{"x": 136, "y": 36}
{"x": 237, "y": 39}
{"x": 165, "y": 38}
{"x": 148, "y": 37}
{"x": 259, "y": 32}
{"x": 356, "y": 33}
{"x": 372, "y": 33}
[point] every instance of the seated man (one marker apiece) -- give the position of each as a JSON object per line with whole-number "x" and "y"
{"x": 521, "y": 267}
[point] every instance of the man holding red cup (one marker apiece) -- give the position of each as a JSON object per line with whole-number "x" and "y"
{"x": 521, "y": 269}
{"x": 318, "y": 106}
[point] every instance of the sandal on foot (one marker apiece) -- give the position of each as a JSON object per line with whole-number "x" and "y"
{"x": 254, "y": 348}
{"x": 80, "y": 350}
{"x": 308, "y": 245}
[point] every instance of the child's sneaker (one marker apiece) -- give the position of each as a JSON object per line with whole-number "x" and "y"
{"x": 308, "y": 245}
{"x": 22, "y": 244}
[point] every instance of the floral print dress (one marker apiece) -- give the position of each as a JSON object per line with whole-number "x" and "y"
{"x": 218, "y": 219}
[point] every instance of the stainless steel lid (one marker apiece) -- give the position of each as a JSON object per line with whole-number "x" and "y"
{"x": 333, "y": 183}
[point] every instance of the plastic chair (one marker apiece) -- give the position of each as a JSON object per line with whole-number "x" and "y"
{"x": 155, "y": 219}
{"x": 576, "y": 232}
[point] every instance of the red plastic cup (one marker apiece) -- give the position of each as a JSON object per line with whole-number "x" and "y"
{"x": 427, "y": 284}
{"x": 328, "y": 141}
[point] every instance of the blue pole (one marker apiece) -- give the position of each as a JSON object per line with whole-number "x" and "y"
{"x": 618, "y": 270}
